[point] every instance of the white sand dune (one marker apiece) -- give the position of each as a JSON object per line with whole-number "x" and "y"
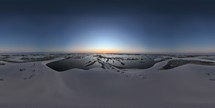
{"x": 38, "y": 86}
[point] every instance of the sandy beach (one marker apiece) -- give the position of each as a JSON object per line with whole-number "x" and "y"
{"x": 35, "y": 85}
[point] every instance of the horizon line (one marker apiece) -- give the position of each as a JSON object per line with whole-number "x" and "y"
{"x": 62, "y": 52}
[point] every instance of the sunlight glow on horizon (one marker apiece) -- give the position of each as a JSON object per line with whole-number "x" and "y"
{"x": 104, "y": 51}
{"x": 105, "y": 39}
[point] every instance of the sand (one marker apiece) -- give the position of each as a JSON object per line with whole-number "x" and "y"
{"x": 38, "y": 86}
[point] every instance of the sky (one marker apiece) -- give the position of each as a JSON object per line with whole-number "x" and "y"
{"x": 107, "y": 26}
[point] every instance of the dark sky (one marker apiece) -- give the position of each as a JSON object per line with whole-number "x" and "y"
{"x": 119, "y": 25}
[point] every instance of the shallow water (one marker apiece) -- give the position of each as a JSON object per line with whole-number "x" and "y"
{"x": 105, "y": 62}
{"x": 66, "y": 64}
